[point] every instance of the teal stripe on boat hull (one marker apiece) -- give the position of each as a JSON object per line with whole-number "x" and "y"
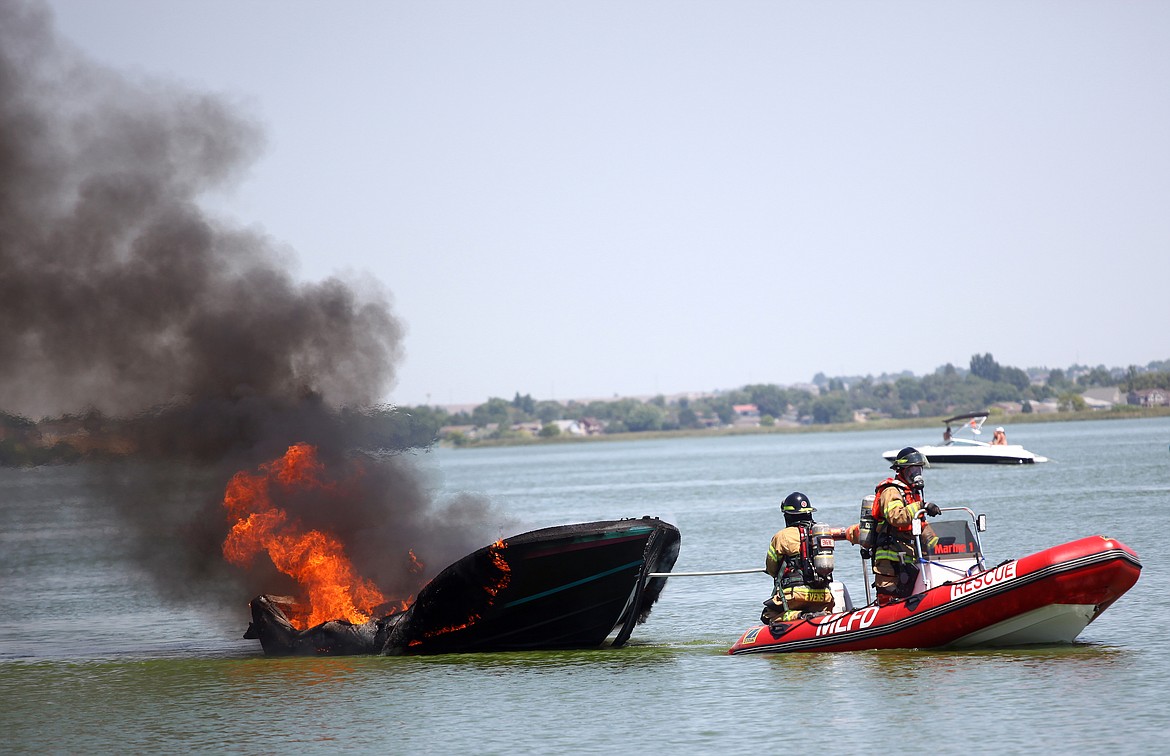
{"x": 573, "y": 584}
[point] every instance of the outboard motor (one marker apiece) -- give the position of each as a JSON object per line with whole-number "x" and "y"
{"x": 867, "y": 525}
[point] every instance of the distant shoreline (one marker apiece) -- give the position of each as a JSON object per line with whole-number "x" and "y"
{"x": 935, "y": 423}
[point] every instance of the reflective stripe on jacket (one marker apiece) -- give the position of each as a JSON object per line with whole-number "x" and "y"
{"x": 784, "y": 561}
{"x": 895, "y": 505}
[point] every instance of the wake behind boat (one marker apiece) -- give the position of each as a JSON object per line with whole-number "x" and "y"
{"x": 960, "y": 602}
{"x": 963, "y": 450}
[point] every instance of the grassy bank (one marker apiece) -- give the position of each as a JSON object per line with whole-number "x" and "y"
{"x": 1125, "y": 412}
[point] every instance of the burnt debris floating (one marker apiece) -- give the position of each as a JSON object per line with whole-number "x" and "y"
{"x": 584, "y": 585}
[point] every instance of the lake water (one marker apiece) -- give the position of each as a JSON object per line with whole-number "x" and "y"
{"x": 90, "y": 660}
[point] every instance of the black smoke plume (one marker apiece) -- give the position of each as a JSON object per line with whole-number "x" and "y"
{"x": 121, "y": 297}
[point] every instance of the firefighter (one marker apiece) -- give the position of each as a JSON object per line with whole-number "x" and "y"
{"x": 897, "y": 501}
{"x": 798, "y": 566}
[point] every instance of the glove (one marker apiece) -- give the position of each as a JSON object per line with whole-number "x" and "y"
{"x": 865, "y": 554}
{"x": 933, "y": 510}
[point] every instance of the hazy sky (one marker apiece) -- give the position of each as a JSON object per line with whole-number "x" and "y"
{"x": 582, "y": 199}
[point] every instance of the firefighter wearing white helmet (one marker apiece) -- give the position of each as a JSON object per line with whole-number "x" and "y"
{"x": 800, "y": 561}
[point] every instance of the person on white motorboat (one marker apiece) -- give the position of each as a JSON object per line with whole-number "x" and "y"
{"x": 999, "y": 438}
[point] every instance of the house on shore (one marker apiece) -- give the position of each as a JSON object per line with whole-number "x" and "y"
{"x": 746, "y": 415}
{"x": 1103, "y": 397}
{"x": 1154, "y": 397}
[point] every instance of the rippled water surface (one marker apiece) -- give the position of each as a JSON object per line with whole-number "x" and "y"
{"x": 91, "y": 660}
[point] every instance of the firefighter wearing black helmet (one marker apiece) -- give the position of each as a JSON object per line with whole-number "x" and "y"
{"x": 897, "y": 501}
{"x": 799, "y": 588}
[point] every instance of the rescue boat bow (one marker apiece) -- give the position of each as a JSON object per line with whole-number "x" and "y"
{"x": 1047, "y": 597}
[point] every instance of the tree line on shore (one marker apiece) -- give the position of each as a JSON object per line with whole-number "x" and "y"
{"x": 825, "y": 401}
{"x": 984, "y": 383}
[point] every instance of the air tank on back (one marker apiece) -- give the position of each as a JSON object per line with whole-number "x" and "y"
{"x": 823, "y": 554}
{"x": 866, "y": 524}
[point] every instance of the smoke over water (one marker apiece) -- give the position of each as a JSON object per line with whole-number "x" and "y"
{"x": 120, "y": 295}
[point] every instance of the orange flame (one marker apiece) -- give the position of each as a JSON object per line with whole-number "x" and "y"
{"x": 416, "y": 564}
{"x": 501, "y": 564}
{"x": 316, "y": 560}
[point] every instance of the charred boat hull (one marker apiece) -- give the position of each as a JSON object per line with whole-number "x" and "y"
{"x": 573, "y": 586}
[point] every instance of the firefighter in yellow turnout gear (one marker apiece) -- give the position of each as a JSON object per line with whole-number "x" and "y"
{"x": 897, "y": 502}
{"x": 801, "y": 577}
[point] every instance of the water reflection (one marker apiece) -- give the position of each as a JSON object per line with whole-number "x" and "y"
{"x": 937, "y": 664}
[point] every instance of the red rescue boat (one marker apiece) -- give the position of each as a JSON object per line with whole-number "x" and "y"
{"x": 1047, "y": 597}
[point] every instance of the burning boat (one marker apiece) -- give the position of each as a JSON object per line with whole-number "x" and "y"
{"x": 573, "y": 586}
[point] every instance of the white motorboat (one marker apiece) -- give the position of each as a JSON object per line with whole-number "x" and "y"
{"x": 957, "y": 449}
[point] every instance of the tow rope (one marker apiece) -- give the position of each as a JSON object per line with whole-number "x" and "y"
{"x": 701, "y": 574}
